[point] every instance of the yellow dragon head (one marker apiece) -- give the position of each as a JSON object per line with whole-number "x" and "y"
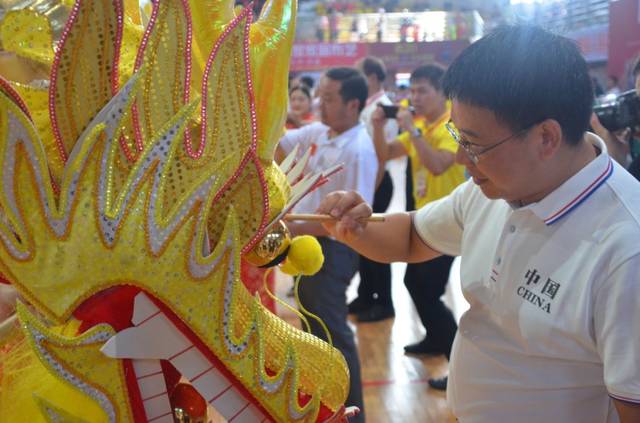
{"x": 131, "y": 187}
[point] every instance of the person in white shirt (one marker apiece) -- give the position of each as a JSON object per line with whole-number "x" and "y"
{"x": 374, "y": 302}
{"x": 548, "y": 229}
{"x": 339, "y": 139}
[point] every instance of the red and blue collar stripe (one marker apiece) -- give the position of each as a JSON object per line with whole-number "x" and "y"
{"x": 573, "y": 204}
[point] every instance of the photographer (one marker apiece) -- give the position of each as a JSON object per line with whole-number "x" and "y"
{"x": 620, "y": 142}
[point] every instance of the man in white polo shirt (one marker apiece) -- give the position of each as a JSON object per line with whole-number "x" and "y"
{"x": 548, "y": 230}
{"x": 340, "y": 139}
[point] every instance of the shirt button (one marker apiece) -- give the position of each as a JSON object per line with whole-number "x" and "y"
{"x": 498, "y": 261}
{"x": 512, "y": 229}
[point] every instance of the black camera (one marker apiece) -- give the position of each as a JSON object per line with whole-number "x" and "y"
{"x": 623, "y": 112}
{"x": 390, "y": 112}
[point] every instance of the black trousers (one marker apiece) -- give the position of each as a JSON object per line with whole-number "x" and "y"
{"x": 426, "y": 282}
{"x": 375, "y": 277}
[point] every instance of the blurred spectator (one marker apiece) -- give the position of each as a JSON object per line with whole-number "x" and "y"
{"x": 381, "y": 24}
{"x": 339, "y": 138}
{"x": 363, "y": 28}
{"x": 405, "y": 24}
{"x": 332, "y": 14}
{"x": 322, "y": 26}
{"x": 300, "y": 113}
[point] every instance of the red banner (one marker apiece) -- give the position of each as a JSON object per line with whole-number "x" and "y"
{"x": 405, "y": 57}
{"x": 593, "y": 41}
{"x": 398, "y": 57}
{"x": 319, "y": 56}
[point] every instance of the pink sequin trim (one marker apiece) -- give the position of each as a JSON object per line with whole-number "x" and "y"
{"x": 187, "y": 60}
{"x": 9, "y": 91}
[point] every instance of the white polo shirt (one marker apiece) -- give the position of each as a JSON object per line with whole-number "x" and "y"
{"x": 391, "y": 127}
{"x": 353, "y": 148}
{"x": 553, "y": 330}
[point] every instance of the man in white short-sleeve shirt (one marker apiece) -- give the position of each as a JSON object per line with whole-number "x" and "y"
{"x": 548, "y": 230}
{"x": 340, "y": 139}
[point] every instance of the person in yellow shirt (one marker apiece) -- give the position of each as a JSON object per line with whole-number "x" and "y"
{"x": 431, "y": 150}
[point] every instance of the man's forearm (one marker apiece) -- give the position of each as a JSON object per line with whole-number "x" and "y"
{"x": 628, "y": 412}
{"x": 380, "y": 144}
{"x": 436, "y": 161}
{"x": 393, "y": 240}
{"x": 387, "y": 241}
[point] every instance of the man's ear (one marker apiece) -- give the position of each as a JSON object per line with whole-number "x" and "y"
{"x": 550, "y": 138}
{"x": 354, "y": 105}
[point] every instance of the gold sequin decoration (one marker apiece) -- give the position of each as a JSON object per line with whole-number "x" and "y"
{"x": 72, "y": 259}
{"x": 28, "y": 34}
{"x": 83, "y": 82}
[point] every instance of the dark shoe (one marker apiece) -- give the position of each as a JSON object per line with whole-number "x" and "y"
{"x": 376, "y": 314}
{"x": 358, "y": 306}
{"x": 439, "y": 384}
{"x": 424, "y": 347}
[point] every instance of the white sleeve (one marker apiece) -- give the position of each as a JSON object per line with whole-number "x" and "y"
{"x": 366, "y": 172}
{"x": 358, "y": 174}
{"x": 440, "y": 223}
{"x": 391, "y": 130}
{"x": 303, "y": 137}
{"x": 617, "y": 330}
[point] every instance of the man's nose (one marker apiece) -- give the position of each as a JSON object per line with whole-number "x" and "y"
{"x": 462, "y": 157}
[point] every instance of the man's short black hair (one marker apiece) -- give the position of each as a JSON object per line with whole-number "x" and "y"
{"x": 432, "y": 73}
{"x": 525, "y": 75}
{"x": 353, "y": 84}
{"x": 374, "y": 66}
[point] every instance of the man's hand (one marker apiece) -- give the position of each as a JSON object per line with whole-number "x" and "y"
{"x": 617, "y": 142}
{"x": 350, "y": 212}
{"x": 405, "y": 120}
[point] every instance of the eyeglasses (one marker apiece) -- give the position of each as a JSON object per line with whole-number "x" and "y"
{"x": 473, "y": 150}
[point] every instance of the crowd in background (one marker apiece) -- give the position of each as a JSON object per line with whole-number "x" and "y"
{"x": 414, "y": 128}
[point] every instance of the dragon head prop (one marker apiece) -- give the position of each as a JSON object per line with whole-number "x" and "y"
{"x": 132, "y": 184}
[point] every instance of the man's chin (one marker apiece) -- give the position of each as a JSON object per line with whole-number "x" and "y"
{"x": 489, "y": 190}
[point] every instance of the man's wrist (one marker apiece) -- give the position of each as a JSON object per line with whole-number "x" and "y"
{"x": 416, "y": 133}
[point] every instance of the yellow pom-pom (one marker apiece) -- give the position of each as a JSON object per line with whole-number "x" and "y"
{"x": 304, "y": 257}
